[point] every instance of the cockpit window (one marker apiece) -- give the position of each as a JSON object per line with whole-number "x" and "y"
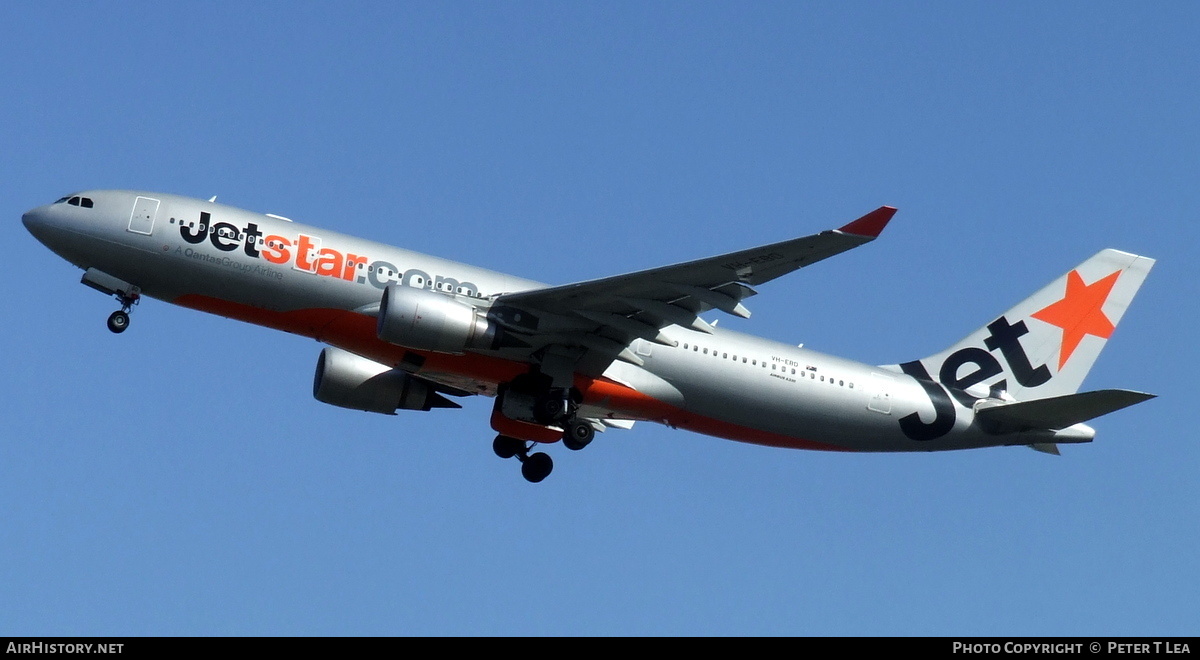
{"x": 62, "y": 199}
{"x": 85, "y": 202}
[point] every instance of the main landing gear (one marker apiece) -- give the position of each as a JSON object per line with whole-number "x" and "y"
{"x": 578, "y": 434}
{"x": 534, "y": 467}
{"x": 543, "y": 410}
{"x": 558, "y": 408}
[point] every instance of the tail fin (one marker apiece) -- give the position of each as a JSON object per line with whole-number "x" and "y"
{"x": 1045, "y": 346}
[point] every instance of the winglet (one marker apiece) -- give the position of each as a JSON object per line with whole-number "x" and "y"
{"x": 871, "y": 224}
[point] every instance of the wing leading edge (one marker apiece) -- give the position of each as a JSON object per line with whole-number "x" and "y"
{"x": 606, "y": 314}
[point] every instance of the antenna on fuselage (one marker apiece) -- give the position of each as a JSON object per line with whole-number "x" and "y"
{"x": 212, "y": 199}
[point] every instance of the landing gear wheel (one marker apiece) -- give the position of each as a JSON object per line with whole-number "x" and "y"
{"x": 554, "y": 407}
{"x": 578, "y": 434}
{"x": 536, "y": 467}
{"x": 507, "y": 447}
{"x": 118, "y": 321}
{"x": 549, "y": 409}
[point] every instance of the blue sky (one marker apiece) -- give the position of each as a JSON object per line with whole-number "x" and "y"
{"x": 180, "y": 480}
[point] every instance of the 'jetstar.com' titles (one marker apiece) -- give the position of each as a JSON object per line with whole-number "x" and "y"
{"x": 306, "y": 254}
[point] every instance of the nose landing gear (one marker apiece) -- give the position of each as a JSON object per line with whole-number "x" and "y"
{"x": 118, "y": 321}
{"x": 126, "y": 293}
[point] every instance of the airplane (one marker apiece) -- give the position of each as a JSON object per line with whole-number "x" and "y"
{"x": 409, "y": 331}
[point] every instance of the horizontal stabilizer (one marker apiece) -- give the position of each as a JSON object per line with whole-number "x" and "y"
{"x": 1056, "y": 412}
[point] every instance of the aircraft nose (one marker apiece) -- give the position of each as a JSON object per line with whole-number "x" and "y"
{"x": 37, "y": 222}
{"x": 34, "y": 220}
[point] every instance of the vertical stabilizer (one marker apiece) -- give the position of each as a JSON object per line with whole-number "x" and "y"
{"x": 1046, "y": 345}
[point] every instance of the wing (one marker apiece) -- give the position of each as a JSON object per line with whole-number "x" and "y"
{"x": 604, "y": 316}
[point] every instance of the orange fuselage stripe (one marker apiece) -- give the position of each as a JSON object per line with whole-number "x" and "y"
{"x": 356, "y": 333}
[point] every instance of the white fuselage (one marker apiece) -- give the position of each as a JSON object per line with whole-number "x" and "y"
{"x": 314, "y": 282}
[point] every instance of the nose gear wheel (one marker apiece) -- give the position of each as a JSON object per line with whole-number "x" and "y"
{"x": 118, "y": 321}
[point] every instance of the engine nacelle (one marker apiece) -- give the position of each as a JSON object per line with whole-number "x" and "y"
{"x": 430, "y": 321}
{"x": 346, "y": 380}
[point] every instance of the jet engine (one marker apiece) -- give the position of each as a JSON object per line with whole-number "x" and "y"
{"x": 346, "y": 380}
{"x": 426, "y": 320}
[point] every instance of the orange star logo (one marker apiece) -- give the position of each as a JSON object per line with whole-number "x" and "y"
{"x": 1079, "y": 313}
